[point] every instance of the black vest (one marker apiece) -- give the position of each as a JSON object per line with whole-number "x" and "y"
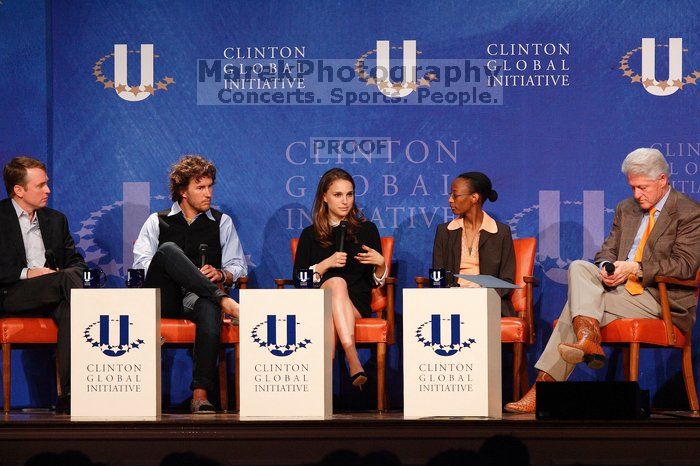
{"x": 203, "y": 230}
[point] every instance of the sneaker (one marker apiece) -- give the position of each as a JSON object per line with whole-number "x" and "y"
{"x": 202, "y": 406}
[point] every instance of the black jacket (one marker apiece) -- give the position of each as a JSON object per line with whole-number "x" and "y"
{"x": 496, "y": 256}
{"x": 54, "y": 232}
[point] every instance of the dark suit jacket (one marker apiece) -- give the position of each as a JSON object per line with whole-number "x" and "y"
{"x": 672, "y": 249}
{"x": 496, "y": 256}
{"x": 54, "y": 232}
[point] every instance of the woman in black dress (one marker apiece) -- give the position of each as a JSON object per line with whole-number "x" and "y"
{"x": 349, "y": 274}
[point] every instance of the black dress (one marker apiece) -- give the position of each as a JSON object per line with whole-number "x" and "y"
{"x": 358, "y": 276}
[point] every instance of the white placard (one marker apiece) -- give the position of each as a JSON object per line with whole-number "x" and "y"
{"x": 115, "y": 353}
{"x": 286, "y": 338}
{"x": 452, "y": 352}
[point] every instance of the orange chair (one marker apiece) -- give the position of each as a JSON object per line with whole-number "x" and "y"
{"x": 518, "y": 331}
{"x": 180, "y": 333}
{"x": 633, "y": 334}
{"x": 377, "y": 330}
{"x": 23, "y": 332}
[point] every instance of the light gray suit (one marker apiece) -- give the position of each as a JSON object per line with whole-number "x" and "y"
{"x": 672, "y": 249}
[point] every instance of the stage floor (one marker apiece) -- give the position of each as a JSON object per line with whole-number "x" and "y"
{"x": 664, "y": 439}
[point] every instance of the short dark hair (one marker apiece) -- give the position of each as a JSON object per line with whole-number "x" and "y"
{"x": 15, "y": 172}
{"x": 189, "y": 167}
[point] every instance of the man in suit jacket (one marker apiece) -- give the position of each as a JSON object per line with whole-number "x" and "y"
{"x": 655, "y": 232}
{"x": 38, "y": 261}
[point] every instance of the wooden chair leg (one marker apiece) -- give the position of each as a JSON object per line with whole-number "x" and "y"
{"x": 237, "y": 375}
{"x": 6, "y": 372}
{"x": 634, "y": 362}
{"x": 626, "y": 363}
{"x": 517, "y": 363}
{"x": 58, "y": 377}
{"x": 381, "y": 376}
{"x": 223, "y": 380}
{"x": 524, "y": 377}
{"x": 688, "y": 376}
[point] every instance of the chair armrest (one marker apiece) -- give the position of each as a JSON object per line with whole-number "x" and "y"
{"x": 281, "y": 282}
{"x": 675, "y": 281}
{"x": 421, "y": 281}
{"x": 533, "y": 280}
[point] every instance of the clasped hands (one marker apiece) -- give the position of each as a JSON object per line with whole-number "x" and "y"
{"x": 39, "y": 271}
{"x": 215, "y": 275}
{"x": 623, "y": 269}
{"x": 339, "y": 259}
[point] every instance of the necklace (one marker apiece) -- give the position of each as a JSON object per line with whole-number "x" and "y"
{"x": 469, "y": 244}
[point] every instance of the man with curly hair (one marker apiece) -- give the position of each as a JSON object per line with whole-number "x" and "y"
{"x": 170, "y": 248}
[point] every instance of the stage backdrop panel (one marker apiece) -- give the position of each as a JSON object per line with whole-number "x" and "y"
{"x": 565, "y": 105}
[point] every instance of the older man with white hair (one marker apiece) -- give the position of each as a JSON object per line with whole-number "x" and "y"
{"x": 654, "y": 232}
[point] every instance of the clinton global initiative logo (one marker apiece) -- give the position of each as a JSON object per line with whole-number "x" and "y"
{"x": 382, "y": 77}
{"x": 566, "y": 230}
{"x": 267, "y": 335}
{"x": 675, "y": 82}
{"x": 99, "y": 335}
{"x": 430, "y": 334}
{"x": 132, "y": 93}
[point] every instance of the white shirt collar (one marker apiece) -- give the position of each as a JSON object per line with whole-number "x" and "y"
{"x": 19, "y": 210}
{"x": 176, "y": 209}
{"x": 662, "y": 202}
{"x": 488, "y": 224}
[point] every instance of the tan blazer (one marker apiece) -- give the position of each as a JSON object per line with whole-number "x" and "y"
{"x": 672, "y": 249}
{"x": 496, "y": 256}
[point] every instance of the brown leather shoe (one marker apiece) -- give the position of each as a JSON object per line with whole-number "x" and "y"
{"x": 587, "y": 349}
{"x": 527, "y": 403}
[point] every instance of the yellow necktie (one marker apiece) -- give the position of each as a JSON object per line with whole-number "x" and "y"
{"x": 633, "y": 286}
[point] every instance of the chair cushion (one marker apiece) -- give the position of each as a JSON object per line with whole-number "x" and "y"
{"x": 37, "y": 330}
{"x": 182, "y": 331}
{"x": 514, "y": 330}
{"x": 371, "y": 330}
{"x": 648, "y": 331}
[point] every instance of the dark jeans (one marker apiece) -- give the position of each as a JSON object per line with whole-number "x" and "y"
{"x": 35, "y": 295}
{"x": 176, "y": 276}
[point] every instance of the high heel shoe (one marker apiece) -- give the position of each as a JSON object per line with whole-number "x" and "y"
{"x": 358, "y": 380}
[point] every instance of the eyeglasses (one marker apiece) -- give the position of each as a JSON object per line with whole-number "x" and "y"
{"x": 456, "y": 196}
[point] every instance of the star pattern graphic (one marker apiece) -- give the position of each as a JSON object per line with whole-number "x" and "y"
{"x": 95, "y": 343}
{"x": 161, "y": 85}
{"x": 262, "y": 343}
{"x": 636, "y": 78}
{"x": 437, "y": 346}
{"x": 362, "y": 74}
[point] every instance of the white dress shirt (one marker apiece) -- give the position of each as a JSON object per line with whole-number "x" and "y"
{"x": 232, "y": 259}
{"x": 33, "y": 242}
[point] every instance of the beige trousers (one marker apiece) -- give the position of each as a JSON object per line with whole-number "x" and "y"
{"x": 588, "y": 297}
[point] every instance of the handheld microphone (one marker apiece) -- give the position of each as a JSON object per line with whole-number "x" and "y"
{"x": 203, "y": 254}
{"x": 50, "y": 259}
{"x": 609, "y": 268}
{"x": 343, "y": 232}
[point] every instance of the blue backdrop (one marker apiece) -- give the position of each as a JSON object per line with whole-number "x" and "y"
{"x": 570, "y": 108}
